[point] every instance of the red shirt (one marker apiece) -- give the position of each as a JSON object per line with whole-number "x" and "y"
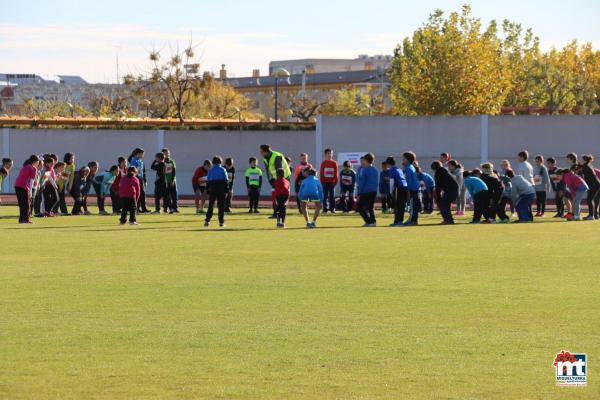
{"x": 130, "y": 187}
{"x": 329, "y": 172}
{"x": 282, "y": 187}
{"x": 116, "y": 184}
{"x": 25, "y": 177}
{"x": 200, "y": 176}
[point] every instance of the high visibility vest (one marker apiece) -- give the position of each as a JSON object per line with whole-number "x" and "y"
{"x": 273, "y": 170}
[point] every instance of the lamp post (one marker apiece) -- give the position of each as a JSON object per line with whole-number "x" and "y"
{"x": 147, "y": 103}
{"x": 278, "y": 73}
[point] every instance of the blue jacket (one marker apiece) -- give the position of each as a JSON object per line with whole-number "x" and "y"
{"x": 475, "y": 185}
{"x": 384, "y": 182}
{"x": 368, "y": 180}
{"x": 427, "y": 179}
{"x": 217, "y": 173}
{"x": 397, "y": 178}
{"x": 310, "y": 188}
{"x": 412, "y": 180}
{"x": 139, "y": 164}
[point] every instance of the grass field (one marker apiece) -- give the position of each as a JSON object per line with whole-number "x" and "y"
{"x": 168, "y": 309}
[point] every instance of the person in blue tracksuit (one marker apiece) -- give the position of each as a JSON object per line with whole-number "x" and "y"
{"x": 218, "y": 187}
{"x": 398, "y": 190}
{"x": 311, "y": 191}
{"x": 384, "y": 189}
{"x": 480, "y": 195}
{"x": 368, "y": 182}
{"x": 427, "y": 185}
{"x": 412, "y": 181}
{"x": 136, "y": 159}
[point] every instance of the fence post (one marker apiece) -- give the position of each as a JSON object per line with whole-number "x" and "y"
{"x": 6, "y": 154}
{"x": 484, "y": 138}
{"x": 319, "y": 141}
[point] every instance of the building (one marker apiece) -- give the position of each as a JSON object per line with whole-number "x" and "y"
{"x": 323, "y": 65}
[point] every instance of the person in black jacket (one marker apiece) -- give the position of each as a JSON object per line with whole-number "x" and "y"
{"x": 160, "y": 183}
{"x": 591, "y": 178}
{"x": 495, "y": 187}
{"x": 447, "y": 190}
{"x": 77, "y": 190}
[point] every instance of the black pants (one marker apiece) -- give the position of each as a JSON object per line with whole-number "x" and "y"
{"x": 329, "y": 198}
{"x": 501, "y": 209}
{"x": 281, "y": 208}
{"x": 446, "y": 199}
{"x": 50, "y": 199}
{"x": 219, "y": 197}
{"x": 593, "y": 201}
{"x": 253, "y": 195}
{"x": 77, "y": 204}
{"x": 415, "y": 205}
{"x": 401, "y": 197}
{"x": 427, "y": 196}
{"x": 24, "y": 203}
{"x": 229, "y": 197}
{"x": 62, "y": 202}
{"x": 481, "y": 205}
{"x": 116, "y": 201}
{"x": 141, "y": 205}
{"x": 37, "y": 201}
{"x": 366, "y": 202}
{"x": 128, "y": 206}
{"x": 540, "y": 202}
{"x": 347, "y": 198}
{"x": 494, "y": 201}
{"x": 172, "y": 197}
{"x": 560, "y": 202}
{"x": 161, "y": 192}
{"x": 297, "y": 184}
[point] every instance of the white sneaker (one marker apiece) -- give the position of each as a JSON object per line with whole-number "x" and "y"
{"x": 133, "y": 223}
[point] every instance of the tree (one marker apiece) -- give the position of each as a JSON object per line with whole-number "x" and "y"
{"x": 350, "y": 101}
{"x": 450, "y": 67}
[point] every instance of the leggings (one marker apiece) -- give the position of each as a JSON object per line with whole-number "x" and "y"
{"x": 281, "y": 208}
{"x": 540, "y": 201}
{"x": 577, "y": 202}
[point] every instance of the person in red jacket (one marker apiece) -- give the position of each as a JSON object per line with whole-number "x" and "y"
{"x": 282, "y": 196}
{"x": 329, "y": 179}
{"x": 129, "y": 194}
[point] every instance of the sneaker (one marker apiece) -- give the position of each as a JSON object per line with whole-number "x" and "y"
{"x": 199, "y": 211}
{"x": 222, "y": 225}
{"x": 369, "y": 225}
{"x": 313, "y": 224}
{"x": 576, "y": 218}
{"x": 51, "y": 214}
{"x": 541, "y": 215}
{"x": 274, "y": 216}
{"x": 487, "y": 221}
{"x": 156, "y": 212}
{"x": 397, "y": 224}
{"x": 87, "y": 213}
{"x": 475, "y": 222}
{"x": 568, "y": 216}
{"x": 133, "y": 223}
{"x": 175, "y": 211}
{"x": 206, "y": 224}
{"x": 122, "y": 222}
{"x": 256, "y": 211}
{"x": 538, "y": 214}
{"x": 447, "y": 223}
{"x": 589, "y": 218}
{"x": 558, "y": 215}
{"x": 280, "y": 225}
{"x": 308, "y": 225}
{"x": 333, "y": 211}
{"x": 410, "y": 223}
{"x": 250, "y": 211}
{"x": 504, "y": 221}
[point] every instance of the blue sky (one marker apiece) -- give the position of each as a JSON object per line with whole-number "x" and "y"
{"x": 83, "y": 37}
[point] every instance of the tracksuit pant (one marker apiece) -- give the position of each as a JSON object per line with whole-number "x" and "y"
{"x": 401, "y": 196}
{"x": 116, "y": 201}
{"x": 523, "y": 207}
{"x": 50, "y": 198}
{"x": 481, "y": 205}
{"x": 347, "y": 199}
{"x": 366, "y": 203}
{"x": 161, "y": 193}
{"x": 24, "y": 203}
{"x": 501, "y": 209}
{"x": 329, "y": 197}
{"x": 253, "y": 196}
{"x": 540, "y": 203}
{"x": 415, "y": 206}
{"x": 172, "y": 197}
{"x": 281, "y": 208}
{"x": 445, "y": 204}
{"x": 128, "y": 206}
{"x": 593, "y": 201}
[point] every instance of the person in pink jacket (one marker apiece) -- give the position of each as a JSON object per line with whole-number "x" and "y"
{"x": 23, "y": 185}
{"x": 578, "y": 188}
{"x": 129, "y": 193}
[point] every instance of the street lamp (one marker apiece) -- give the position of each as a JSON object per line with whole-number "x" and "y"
{"x": 278, "y": 73}
{"x": 147, "y": 103}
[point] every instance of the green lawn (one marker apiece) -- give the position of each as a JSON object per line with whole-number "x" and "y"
{"x": 168, "y": 309}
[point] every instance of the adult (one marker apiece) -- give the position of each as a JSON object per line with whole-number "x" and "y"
{"x": 273, "y": 161}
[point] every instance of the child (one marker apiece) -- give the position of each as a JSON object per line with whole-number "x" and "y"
{"x": 329, "y": 176}
{"x": 447, "y": 188}
{"x": 572, "y": 159}
{"x": 253, "y": 176}
{"x": 523, "y": 193}
{"x": 79, "y": 182}
{"x": 129, "y": 193}
{"x": 199, "y": 181}
{"x": 541, "y": 179}
{"x": 23, "y": 185}
{"x": 558, "y": 187}
{"x": 50, "y": 189}
{"x": 427, "y": 185}
{"x": 368, "y": 183}
{"x": 412, "y": 181}
{"x": 170, "y": 196}
{"x": 136, "y": 159}
{"x": 524, "y": 168}
{"x": 93, "y": 166}
{"x": 161, "y": 190}
{"x": 7, "y": 165}
{"x": 3, "y": 175}
{"x": 217, "y": 186}
{"x": 457, "y": 170}
{"x": 230, "y": 178}
{"x": 384, "y": 189}
{"x": 445, "y": 159}
{"x": 299, "y": 176}
{"x": 578, "y": 188}
{"x": 282, "y": 196}
{"x": 495, "y": 188}
{"x": 591, "y": 179}
{"x": 398, "y": 189}
{"x": 506, "y": 193}
{"x": 347, "y": 185}
{"x": 480, "y": 195}
{"x": 311, "y": 191}
{"x": 68, "y": 176}
{"x": 102, "y": 183}
{"x": 114, "y": 188}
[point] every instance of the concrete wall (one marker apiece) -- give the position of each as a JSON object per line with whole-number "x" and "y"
{"x": 188, "y": 148}
{"x": 469, "y": 139}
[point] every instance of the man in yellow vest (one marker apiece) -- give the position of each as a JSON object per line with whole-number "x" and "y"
{"x": 274, "y": 160}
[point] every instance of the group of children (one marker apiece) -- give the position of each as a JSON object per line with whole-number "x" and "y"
{"x": 44, "y": 183}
